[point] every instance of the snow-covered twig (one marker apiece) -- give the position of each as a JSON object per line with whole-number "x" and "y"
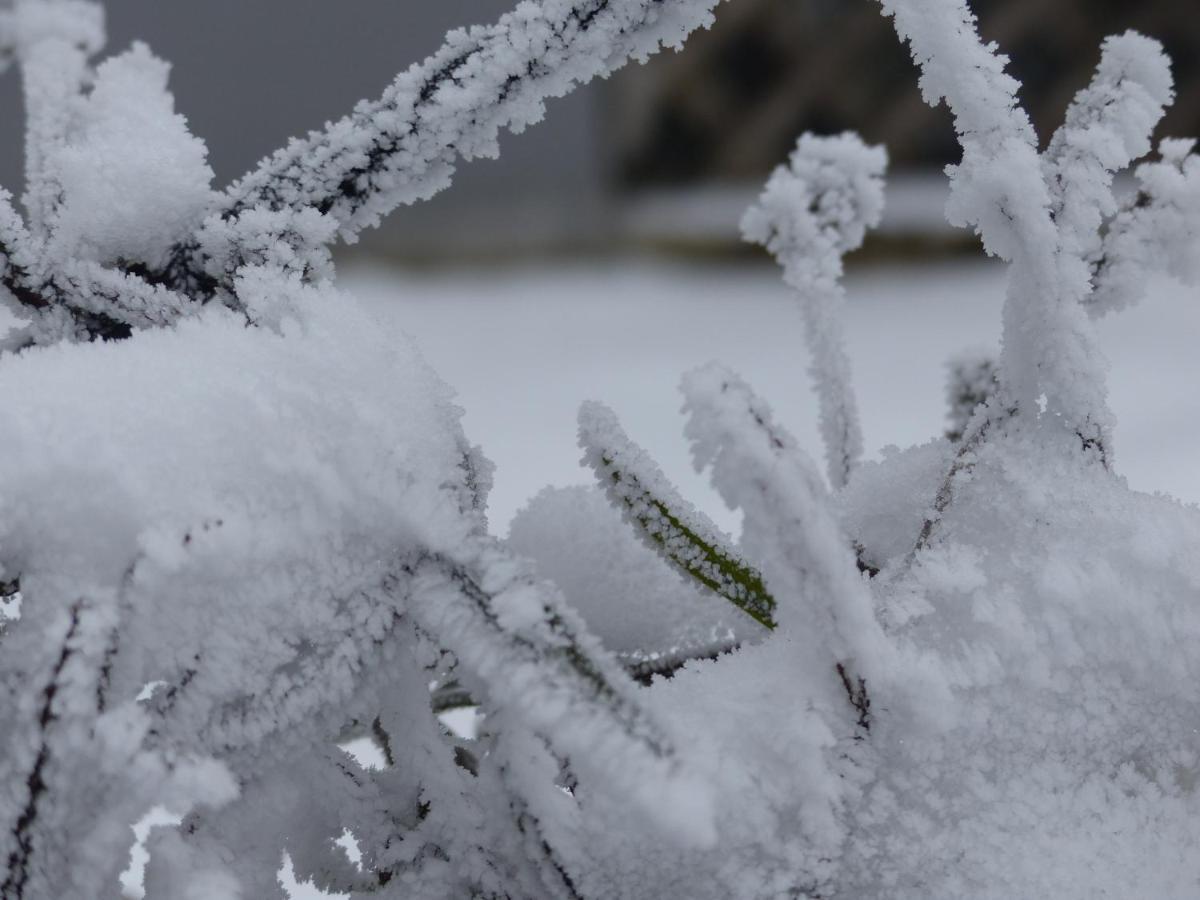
{"x": 757, "y": 467}
{"x": 1108, "y": 125}
{"x": 668, "y": 524}
{"x": 515, "y": 635}
{"x": 77, "y": 299}
{"x": 1157, "y": 230}
{"x": 404, "y": 147}
{"x": 970, "y": 382}
{"x": 814, "y": 211}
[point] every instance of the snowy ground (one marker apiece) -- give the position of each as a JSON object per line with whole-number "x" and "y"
{"x": 524, "y": 346}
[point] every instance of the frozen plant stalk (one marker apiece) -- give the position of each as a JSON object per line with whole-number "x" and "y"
{"x": 814, "y": 211}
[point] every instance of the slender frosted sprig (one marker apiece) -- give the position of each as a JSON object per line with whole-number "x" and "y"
{"x": 812, "y": 212}
{"x": 970, "y": 382}
{"x": 405, "y": 146}
{"x": 516, "y": 635}
{"x": 669, "y": 525}
{"x": 789, "y": 526}
{"x": 1157, "y": 230}
{"x": 74, "y": 299}
{"x": 1108, "y": 125}
{"x": 999, "y": 189}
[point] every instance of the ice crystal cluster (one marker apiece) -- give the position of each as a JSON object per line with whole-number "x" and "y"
{"x": 241, "y": 526}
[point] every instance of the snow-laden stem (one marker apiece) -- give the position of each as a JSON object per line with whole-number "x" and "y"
{"x": 757, "y": 467}
{"x": 1049, "y": 349}
{"x": 1156, "y": 230}
{"x": 1108, "y": 125}
{"x": 681, "y": 534}
{"x": 53, "y": 42}
{"x": 812, "y": 212}
{"x": 405, "y": 146}
{"x": 644, "y": 667}
{"x": 983, "y": 420}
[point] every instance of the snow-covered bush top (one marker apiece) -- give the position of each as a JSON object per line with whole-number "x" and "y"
{"x": 227, "y": 552}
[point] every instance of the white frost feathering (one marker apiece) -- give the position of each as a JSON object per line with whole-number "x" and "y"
{"x": 1156, "y": 231}
{"x": 667, "y": 523}
{"x": 789, "y": 526}
{"x": 53, "y": 41}
{"x": 814, "y": 211}
{"x": 631, "y": 601}
{"x": 1108, "y": 126}
{"x": 539, "y": 664}
{"x": 1048, "y": 348}
{"x": 404, "y": 147}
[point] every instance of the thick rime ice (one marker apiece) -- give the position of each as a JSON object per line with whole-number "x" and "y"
{"x": 227, "y": 550}
{"x": 970, "y": 383}
{"x": 239, "y": 536}
{"x": 403, "y": 147}
{"x": 1156, "y": 230}
{"x": 133, "y": 181}
{"x": 812, "y": 212}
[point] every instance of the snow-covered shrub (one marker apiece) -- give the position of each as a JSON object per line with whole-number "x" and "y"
{"x": 241, "y": 527}
{"x": 972, "y": 675}
{"x": 226, "y": 550}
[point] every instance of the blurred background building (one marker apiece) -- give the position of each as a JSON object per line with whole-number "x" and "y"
{"x": 662, "y": 155}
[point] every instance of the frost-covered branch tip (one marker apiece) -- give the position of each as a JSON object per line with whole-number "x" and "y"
{"x": 1157, "y": 230}
{"x": 1107, "y": 126}
{"x": 970, "y": 382}
{"x": 540, "y": 665}
{"x": 1049, "y": 350}
{"x": 404, "y": 147}
{"x": 812, "y": 212}
{"x": 788, "y": 525}
{"x": 668, "y": 524}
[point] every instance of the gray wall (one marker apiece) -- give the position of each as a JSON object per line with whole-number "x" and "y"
{"x": 250, "y": 73}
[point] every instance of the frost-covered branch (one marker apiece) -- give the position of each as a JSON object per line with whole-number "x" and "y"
{"x": 645, "y": 666}
{"x": 998, "y": 188}
{"x": 1157, "y": 230}
{"x": 814, "y": 211}
{"x": 404, "y": 147}
{"x": 979, "y": 425}
{"x": 514, "y": 634}
{"x": 76, "y": 300}
{"x": 74, "y": 772}
{"x": 52, "y": 41}
{"x": 668, "y": 524}
{"x": 970, "y": 382}
{"x": 824, "y": 602}
{"x": 1108, "y": 126}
